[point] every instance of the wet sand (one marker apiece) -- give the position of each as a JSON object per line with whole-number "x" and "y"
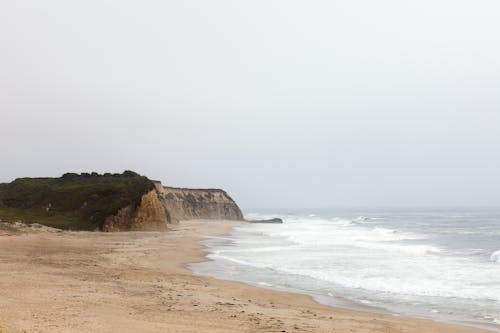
{"x": 138, "y": 282}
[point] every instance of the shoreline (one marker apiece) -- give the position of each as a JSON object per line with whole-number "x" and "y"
{"x": 139, "y": 281}
{"x": 337, "y": 302}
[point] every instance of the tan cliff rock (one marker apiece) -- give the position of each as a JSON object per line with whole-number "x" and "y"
{"x": 189, "y": 204}
{"x": 164, "y": 205}
{"x": 149, "y": 215}
{"x": 109, "y": 202}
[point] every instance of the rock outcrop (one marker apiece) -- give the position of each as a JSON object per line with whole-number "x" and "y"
{"x": 165, "y": 205}
{"x": 149, "y": 215}
{"x": 189, "y": 204}
{"x": 110, "y": 202}
{"x": 275, "y": 220}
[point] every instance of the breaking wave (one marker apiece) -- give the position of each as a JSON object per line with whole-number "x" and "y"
{"x": 384, "y": 260}
{"x": 495, "y": 256}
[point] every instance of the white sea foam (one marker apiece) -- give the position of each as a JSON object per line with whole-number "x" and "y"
{"x": 265, "y": 284}
{"x": 215, "y": 256}
{"x": 495, "y": 256}
{"x": 344, "y": 234}
{"x": 258, "y": 249}
{"x": 375, "y": 262}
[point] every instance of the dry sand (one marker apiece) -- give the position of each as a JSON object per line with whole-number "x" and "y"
{"x": 137, "y": 282}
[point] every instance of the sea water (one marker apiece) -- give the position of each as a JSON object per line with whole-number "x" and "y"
{"x": 438, "y": 264}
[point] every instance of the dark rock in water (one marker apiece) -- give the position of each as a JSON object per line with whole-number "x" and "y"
{"x": 275, "y": 220}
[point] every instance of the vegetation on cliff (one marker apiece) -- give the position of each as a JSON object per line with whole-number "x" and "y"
{"x": 73, "y": 201}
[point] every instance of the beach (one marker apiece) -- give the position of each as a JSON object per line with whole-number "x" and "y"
{"x": 138, "y": 282}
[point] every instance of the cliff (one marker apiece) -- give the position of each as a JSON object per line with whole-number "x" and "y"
{"x": 110, "y": 202}
{"x": 149, "y": 215}
{"x": 189, "y": 204}
{"x": 73, "y": 201}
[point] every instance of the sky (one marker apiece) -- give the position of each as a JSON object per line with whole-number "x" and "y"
{"x": 283, "y": 103}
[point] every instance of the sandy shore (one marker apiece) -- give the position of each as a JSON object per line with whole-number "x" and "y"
{"x": 137, "y": 282}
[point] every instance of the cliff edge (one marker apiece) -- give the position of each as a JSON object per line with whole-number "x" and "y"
{"x": 189, "y": 204}
{"x": 148, "y": 215}
{"x": 110, "y": 202}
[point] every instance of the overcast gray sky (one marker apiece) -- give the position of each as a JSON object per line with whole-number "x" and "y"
{"x": 283, "y": 103}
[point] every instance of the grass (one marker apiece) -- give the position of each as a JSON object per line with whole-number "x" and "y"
{"x": 73, "y": 201}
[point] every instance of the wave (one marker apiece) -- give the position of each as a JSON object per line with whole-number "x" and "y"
{"x": 495, "y": 256}
{"x": 382, "y": 279}
{"x": 327, "y": 234}
{"x": 215, "y": 256}
{"x": 256, "y": 249}
{"x": 387, "y": 260}
{"x": 342, "y": 222}
{"x": 421, "y": 285}
{"x": 344, "y": 235}
{"x": 407, "y": 249}
{"x": 367, "y": 220}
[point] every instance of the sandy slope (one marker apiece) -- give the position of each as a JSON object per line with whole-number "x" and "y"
{"x": 136, "y": 282}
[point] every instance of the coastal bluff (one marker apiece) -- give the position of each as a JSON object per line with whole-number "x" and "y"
{"x": 110, "y": 202}
{"x": 190, "y": 204}
{"x": 164, "y": 205}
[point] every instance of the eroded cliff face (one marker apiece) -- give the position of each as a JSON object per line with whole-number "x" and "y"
{"x": 86, "y": 201}
{"x": 189, "y": 204}
{"x": 165, "y": 205}
{"x": 149, "y": 215}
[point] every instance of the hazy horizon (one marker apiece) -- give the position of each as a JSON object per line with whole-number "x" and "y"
{"x": 281, "y": 103}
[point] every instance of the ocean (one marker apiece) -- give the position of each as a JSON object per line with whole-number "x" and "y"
{"x": 438, "y": 264}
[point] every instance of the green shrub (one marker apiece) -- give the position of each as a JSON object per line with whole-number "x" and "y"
{"x": 72, "y": 201}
